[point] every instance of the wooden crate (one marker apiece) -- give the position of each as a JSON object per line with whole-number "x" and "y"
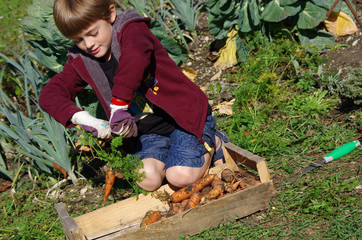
{"x": 122, "y": 220}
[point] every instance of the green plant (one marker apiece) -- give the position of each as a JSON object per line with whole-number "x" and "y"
{"x": 351, "y": 87}
{"x": 51, "y": 46}
{"x": 188, "y": 12}
{"x": 212, "y": 90}
{"x": 127, "y": 164}
{"x": 274, "y": 18}
{"x": 163, "y": 26}
{"x": 32, "y": 131}
{"x": 11, "y": 13}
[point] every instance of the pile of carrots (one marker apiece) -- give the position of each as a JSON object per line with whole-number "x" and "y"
{"x": 207, "y": 188}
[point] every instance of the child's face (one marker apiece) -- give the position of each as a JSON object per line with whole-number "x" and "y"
{"x": 96, "y": 40}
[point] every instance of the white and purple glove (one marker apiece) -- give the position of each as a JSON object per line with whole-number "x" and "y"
{"x": 98, "y": 127}
{"x": 121, "y": 122}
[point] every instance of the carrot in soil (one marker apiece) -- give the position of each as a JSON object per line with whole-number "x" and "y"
{"x": 110, "y": 177}
{"x": 217, "y": 188}
{"x": 187, "y": 191}
{"x": 194, "y": 200}
{"x": 227, "y": 175}
{"x": 150, "y": 217}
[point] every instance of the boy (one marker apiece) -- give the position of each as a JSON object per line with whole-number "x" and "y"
{"x": 118, "y": 56}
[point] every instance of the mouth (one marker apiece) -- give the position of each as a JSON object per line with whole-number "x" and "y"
{"x": 95, "y": 51}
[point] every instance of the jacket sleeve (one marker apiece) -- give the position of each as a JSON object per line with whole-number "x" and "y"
{"x": 58, "y": 95}
{"x": 137, "y": 47}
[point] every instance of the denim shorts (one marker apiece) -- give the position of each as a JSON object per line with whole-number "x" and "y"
{"x": 179, "y": 148}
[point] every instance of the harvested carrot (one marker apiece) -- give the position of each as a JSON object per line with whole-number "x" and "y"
{"x": 150, "y": 217}
{"x": 110, "y": 177}
{"x": 236, "y": 185}
{"x": 206, "y": 190}
{"x": 227, "y": 175}
{"x": 187, "y": 191}
{"x": 176, "y": 208}
{"x": 217, "y": 188}
{"x": 229, "y": 188}
{"x": 194, "y": 200}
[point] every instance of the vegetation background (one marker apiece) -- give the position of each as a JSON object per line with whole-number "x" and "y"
{"x": 289, "y": 105}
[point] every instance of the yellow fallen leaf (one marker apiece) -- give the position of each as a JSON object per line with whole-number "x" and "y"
{"x": 340, "y": 24}
{"x": 224, "y": 107}
{"x": 227, "y": 54}
{"x": 190, "y": 73}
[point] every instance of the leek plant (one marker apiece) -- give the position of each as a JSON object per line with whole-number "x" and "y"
{"x": 36, "y": 136}
{"x": 188, "y": 12}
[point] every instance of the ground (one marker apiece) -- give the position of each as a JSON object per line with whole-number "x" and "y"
{"x": 348, "y": 55}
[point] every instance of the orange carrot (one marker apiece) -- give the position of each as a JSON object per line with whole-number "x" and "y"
{"x": 205, "y": 190}
{"x": 229, "y": 188}
{"x": 236, "y": 185}
{"x": 150, "y": 217}
{"x": 194, "y": 200}
{"x": 187, "y": 191}
{"x": 176, "y": 208}
{"x": 217, "y": 188}
{"x": 110, "y": 177}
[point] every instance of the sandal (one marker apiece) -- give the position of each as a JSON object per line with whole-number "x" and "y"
{"x": 219, "y": 154}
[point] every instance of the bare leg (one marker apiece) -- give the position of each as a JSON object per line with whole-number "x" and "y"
{"x": 155, "y": 173}
{"x": 181, "y": 176}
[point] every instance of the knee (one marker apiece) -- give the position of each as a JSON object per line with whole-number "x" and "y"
{"x": 153, "y": 178}
{"x": 179, "y": 176}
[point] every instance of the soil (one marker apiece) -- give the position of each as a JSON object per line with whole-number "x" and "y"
{"x": 84, "y": 196}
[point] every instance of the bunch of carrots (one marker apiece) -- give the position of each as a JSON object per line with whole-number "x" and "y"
{"x": 207, "y": 188}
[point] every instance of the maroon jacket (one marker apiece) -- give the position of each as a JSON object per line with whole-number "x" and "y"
{"x": 143, "y": 64}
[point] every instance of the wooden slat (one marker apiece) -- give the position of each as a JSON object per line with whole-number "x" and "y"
{"x": 248, "y": 159}
{"x": 206, "y": 216}
{"x": 114, "y": 217}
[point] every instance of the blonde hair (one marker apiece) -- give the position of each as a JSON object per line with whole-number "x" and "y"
{"x": 73, "y": 16}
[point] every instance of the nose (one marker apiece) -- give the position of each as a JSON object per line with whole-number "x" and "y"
{"x": 88, "y": 42}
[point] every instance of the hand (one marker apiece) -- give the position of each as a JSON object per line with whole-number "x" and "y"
{"x": 121, "y": 122}
{"x": 98, "y": 127}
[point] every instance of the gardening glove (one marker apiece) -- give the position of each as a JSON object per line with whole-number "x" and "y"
{"x": 121, "y": 122}
{"x": 98, "y": 127}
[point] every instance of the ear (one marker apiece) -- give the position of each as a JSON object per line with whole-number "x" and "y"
{"x": 113, "y": 13}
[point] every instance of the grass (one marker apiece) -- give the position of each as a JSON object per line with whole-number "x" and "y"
{"x": 11, "y": 14}
{"x": 292, "y": 125}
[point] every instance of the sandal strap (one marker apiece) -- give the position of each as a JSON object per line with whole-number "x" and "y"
{"x": 224, "y": 139}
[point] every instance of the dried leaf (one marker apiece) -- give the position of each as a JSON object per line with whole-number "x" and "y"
{"x": 5, "y": 186}
{"x": 62, "y": 170}
{"x": 190, "y": 73}
{"x": 340, "y": 24}
{"x": 227, "y": 54}
{"x": 224, "y": 107}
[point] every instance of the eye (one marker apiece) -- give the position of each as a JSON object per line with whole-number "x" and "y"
{"x": 93, "y": 34}
{"x": 77, "y": 41}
